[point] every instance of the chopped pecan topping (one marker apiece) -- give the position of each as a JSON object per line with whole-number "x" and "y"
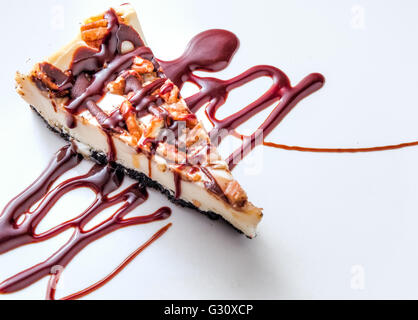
{"x": 47, "y": 81}
{"x": 188, "y": 174}
{"x": 117, "y": 86}
{"x": 142, "y": 65}
{"x": 95, "y": 24}
{"x": 219, "y": 165}
{"x": 134, "y": 129}
{"x": 94, "y": 18}
{"x": 170, "y": 92}
{"x": 235, "y": 194}
{"x": 128, "y": 82}
{"x": 170, "y": 152}
{"x": 94, "y": 31}
{"x": 153, "y": 127}
{"x": 195, "y": 135}
{"x": 231, "y": 189}
{"x": 189, "y": 118}
{"x": 50, "y": 78}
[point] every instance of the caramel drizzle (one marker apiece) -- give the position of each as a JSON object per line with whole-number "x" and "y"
{"x": 341, "y": 150}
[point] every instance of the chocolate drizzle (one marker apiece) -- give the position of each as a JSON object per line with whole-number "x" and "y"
{"x": 142, "y": 99}
{"x": 94, "y": 69}
{"x": 103, "y": 180}
{"x": 55, "y": 276}
{"x": 59, "y": 78}
{"x": 177, "y": 185}
{"x": 95, "y": 89}
{"x": 90, "y": 60}
{"x": 212, "y": 185}
{"x": 91, "y": 69}
{"x": 212, "y": 51}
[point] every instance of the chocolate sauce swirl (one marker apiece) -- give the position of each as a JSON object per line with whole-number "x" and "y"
{"x": 102, "y": 180}
{"x": 213, "y": 51}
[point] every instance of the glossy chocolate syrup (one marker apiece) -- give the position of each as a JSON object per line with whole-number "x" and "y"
{"x": 92, "y": 70}
{"x": 95, "y": 90}
{"x": 103, "y": 180}
{"x": 177, "y": 184}
{"x": 209, "y": 51}
{"x": 90, "y": 60}
{"x": 212, "y": 51}
{"x": 56, "y": 276}
{"x": 59, "y": 78}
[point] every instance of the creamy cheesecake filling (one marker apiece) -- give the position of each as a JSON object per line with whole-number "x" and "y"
{"x": 116, "y": 124}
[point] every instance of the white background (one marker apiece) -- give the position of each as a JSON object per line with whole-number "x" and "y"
{"x": 335, "y": 226}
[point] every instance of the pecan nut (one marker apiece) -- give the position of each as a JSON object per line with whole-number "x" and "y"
{"x": 142, "y": 65}
{"x": 94, "y": 31}
{"x": 49, "y": 78}
{"x": 170, "y": 92}
{"x": 117, "y": 86}
{"x": 128, "y": 114}
{"x": 235, "y": 194}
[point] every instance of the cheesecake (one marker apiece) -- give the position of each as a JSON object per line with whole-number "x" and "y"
{"x": 107, "y": 94}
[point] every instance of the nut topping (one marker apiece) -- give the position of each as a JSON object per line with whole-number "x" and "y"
{"x": 142, "y": 65}
{"x": 117, "y": 86}
{"x": 102, "y": 23}
{"x": 126, "y": 47}
{"x": 50, "y": 78}
{"x": 134, "y": 129}
{"x": 170, "y": 92}
{"x": 195, "y": 135}
{"x": 235, "y": 194}
{"x": 124, "y": 83}
{"x": 94, "y": 32}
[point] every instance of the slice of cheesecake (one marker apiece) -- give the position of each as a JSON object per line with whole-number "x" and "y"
{"x": 106, "y": 92}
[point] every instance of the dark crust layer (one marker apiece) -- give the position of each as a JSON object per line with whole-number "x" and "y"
{"x": 139, "y": 176}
